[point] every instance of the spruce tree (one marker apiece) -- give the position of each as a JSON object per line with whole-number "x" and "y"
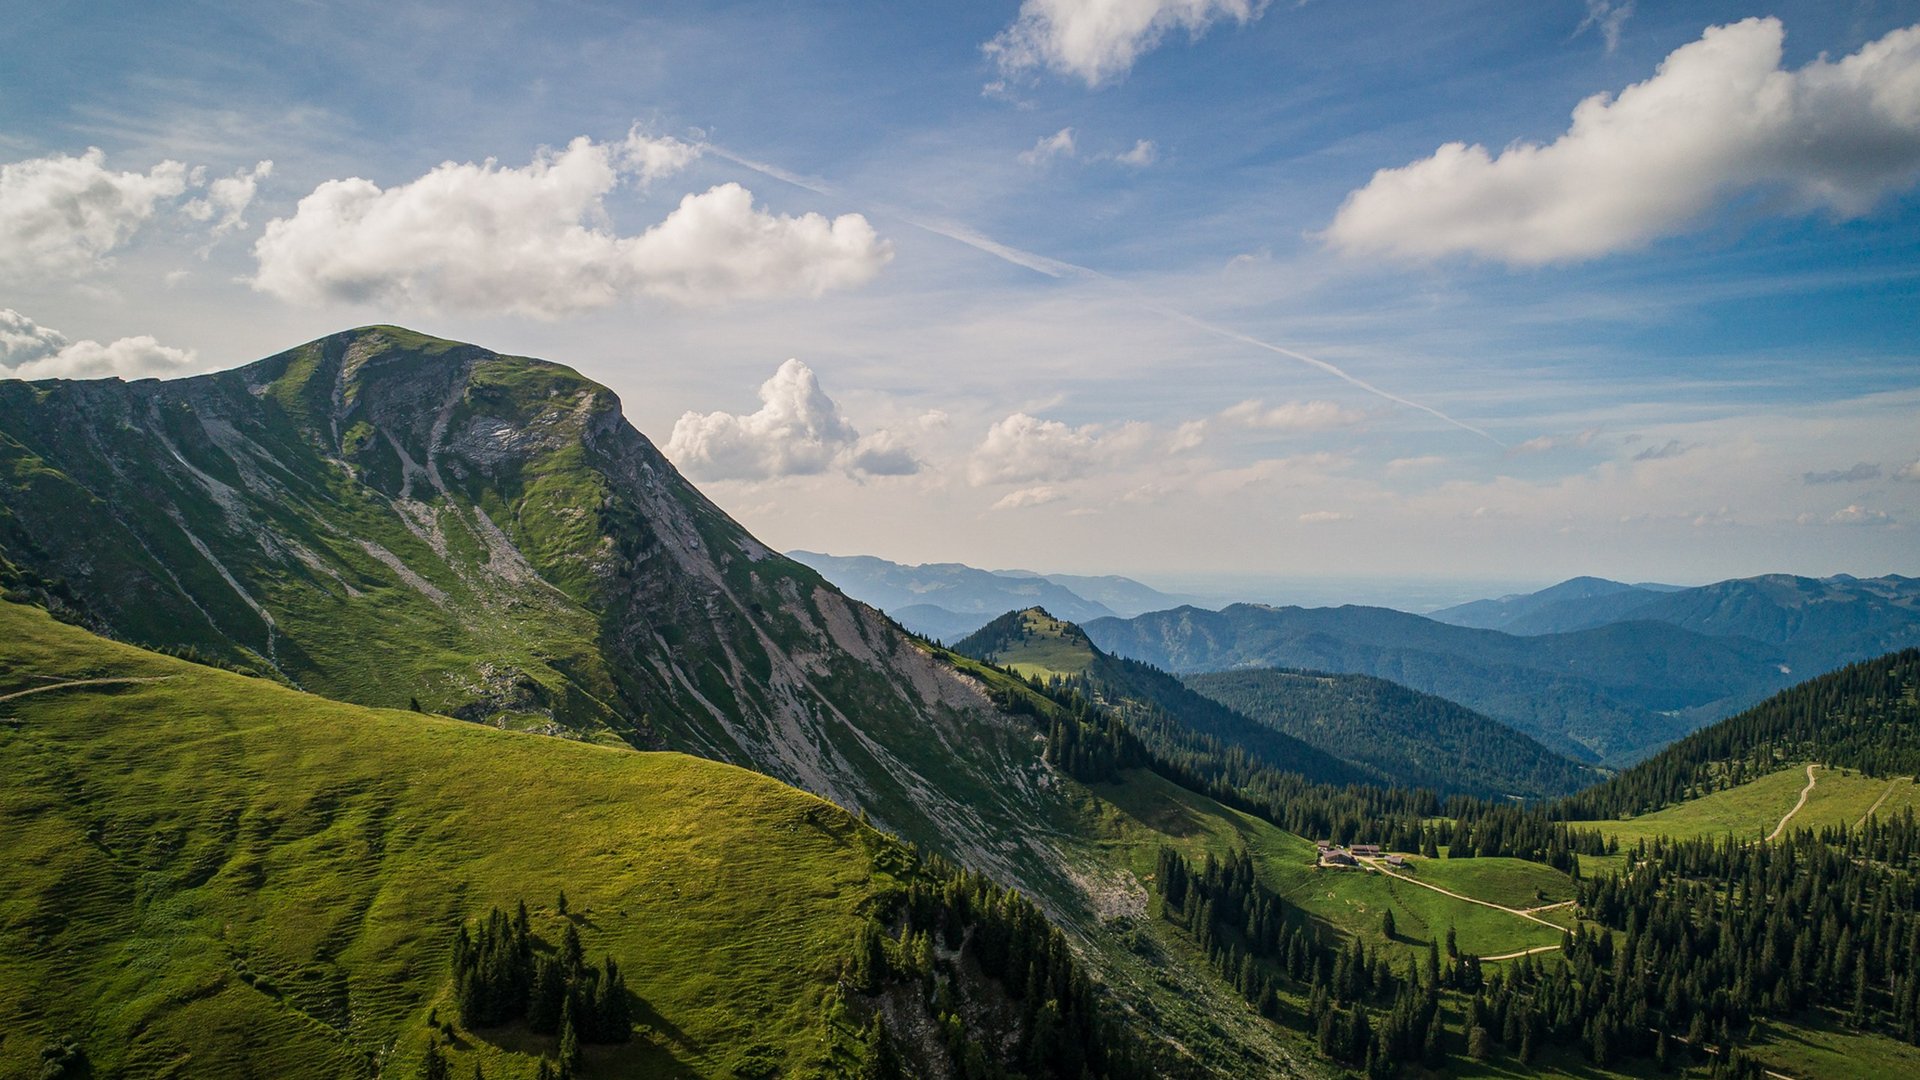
{"x": 569, "y": 1041}
{"x": 434, "y": 1066}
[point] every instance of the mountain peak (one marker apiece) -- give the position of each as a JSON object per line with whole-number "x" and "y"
{"x": 1031, "y": 641}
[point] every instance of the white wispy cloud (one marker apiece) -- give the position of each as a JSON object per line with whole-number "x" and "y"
{"x": 1097, "y": 41}
{"x": 530, "y": 240}
{"x": 1909, "y": 472}
{"x": 797, "y": 431}
{"x": 1851, "y": 514}
{"x": 1401, "y": 466}
{"x": 227, "y": 199}
{"x": 1039, "y": 495}
{"x": 1607, "y": 17}
{"x": 1048, "y": 147}
{"x": 1542, "y": 443}
{"x": 31, "y": 351}
{"x": 1292, "y": 415}
{"x": 63, "y": 216}
{"x": 1322, "y": 517}
{"x": 1720, "y": 117}
{"x": 1143, "y": 154}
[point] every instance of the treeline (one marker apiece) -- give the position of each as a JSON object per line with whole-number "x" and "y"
{"x": 1712, "y": 935}
{"x": 502, "y": 973}
{"x": 948, "y": 924}
{"x": 1863, "y": 716}
{"x": 1359, "y": 1009}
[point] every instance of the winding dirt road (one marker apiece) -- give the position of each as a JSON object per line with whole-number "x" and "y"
{"x": 1804, "y": 792}
{"x": 81, "y": 682}
{"x": 1878, "y": 803}
{"x": 1379, "y": 868}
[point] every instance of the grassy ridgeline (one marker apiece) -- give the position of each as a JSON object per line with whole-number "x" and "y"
{"x": 206, "y": 870}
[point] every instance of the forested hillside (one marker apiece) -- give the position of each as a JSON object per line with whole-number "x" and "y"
{"x": 1863, "y": 716}
{"x": 1410, "y": 738}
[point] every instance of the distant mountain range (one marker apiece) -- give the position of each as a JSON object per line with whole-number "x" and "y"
{"x": 1330, "y": 728}
{"x": 947, "y": 601}
{"x": 1610, "y": 694}
{"x": 1819, "y": 623}
{"x": 1604, "y": 670}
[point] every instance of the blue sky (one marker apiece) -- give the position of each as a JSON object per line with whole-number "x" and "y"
{"x": 1079, "y": 285}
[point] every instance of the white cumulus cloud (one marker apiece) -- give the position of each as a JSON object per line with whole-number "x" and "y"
{"x": 1720, "y": 117}
{"x": 1910, "y": 472}
{"x": 798, "y": 431}
{"x": 533, "y": 240}
{"x": 1023, "y": 449}
{"x": 62, "y": 216}
{"x": 31, "y": 351}
{"x": 1099, "y": 40}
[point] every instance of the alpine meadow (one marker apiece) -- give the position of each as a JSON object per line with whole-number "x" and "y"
{"x": 1040, "y": 540}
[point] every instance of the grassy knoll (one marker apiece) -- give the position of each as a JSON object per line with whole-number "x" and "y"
{"x": 208, "y": 874}
{"x": 1752, "y": 810}
{"x": 1032, "y": 642}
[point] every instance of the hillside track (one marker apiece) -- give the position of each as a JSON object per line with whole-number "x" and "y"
{"x": 72, "y": 683}
{"x": 1804, "y": 793}
{"x": 1377, "y": 867}
{"x": 1878, "y": 803}
{"x": 1523, "y": 952}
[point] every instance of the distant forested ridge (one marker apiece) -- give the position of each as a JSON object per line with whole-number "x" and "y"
{"x": 1411, "y": 738}
{"x": 1610, "y": 693}
{"x": 1863, "y": 716}
{"x": 1159, "y": 707}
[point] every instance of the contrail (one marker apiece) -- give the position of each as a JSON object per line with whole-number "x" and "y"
{"x": 1336, "y": 372}
{"x": 1057, "y": 268}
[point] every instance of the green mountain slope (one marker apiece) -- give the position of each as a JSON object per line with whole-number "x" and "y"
{"x": 204, "y": 874}
{"x": 1417, "y": 740}
{"x": 379, "y": 516}
{"x": 382, "y": 517}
